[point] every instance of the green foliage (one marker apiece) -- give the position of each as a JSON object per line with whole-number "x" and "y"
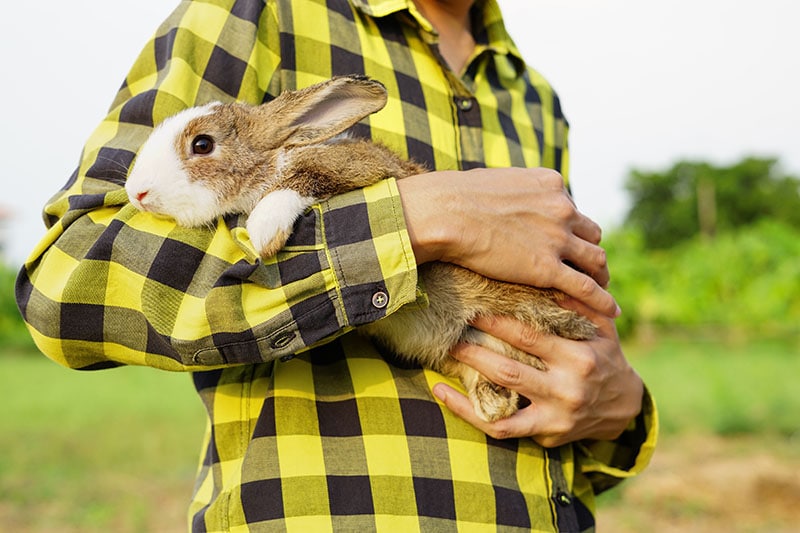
{"x": 747, "y": 281}
{"x": 663, "y": 205}
{"x": 691, "y": 198}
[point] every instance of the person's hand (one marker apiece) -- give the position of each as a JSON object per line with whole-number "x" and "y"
{"x": 588, "y": 392}
{"x": 510, "y": 224}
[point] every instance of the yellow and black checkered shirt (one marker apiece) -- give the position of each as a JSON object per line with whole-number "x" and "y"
{"x": 310, "y": 427}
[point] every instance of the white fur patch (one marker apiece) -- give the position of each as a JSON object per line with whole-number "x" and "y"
{"x": 158, "y": 182}
{"x": 274, "y": 216}
{"x": 282, "y": 159}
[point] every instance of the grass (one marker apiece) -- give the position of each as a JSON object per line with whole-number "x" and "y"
{"x": 116, "y": 450}
{"x": 725, "y": 387}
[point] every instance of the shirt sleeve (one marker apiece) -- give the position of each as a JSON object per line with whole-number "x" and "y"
{"x": 109, "y": 285}
{"x": 608, "y": 463}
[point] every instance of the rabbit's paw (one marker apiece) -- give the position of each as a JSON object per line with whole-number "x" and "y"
{"x": 271, "y": 221}
{"x": 493, "y": 402}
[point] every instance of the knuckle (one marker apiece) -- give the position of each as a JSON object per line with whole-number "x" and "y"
{"x": 563, "y": 208}
{"x": 585, "y": 365}
{"x": 547, "y": 265}
{"x": 601, "y": 258}
{"x": 594, "y": 233}
{"x": 528, "y": 336}
{"x": 585, "y": 287}
{"x": 501, "y": 430}
{"x": 574, "y": 403}
{"x": 575, "y": 400}
{"x": 508, "y": 374}
{"x": 554, "y": 178}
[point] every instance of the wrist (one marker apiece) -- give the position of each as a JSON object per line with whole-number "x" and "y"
{"x": 430, "y": 227}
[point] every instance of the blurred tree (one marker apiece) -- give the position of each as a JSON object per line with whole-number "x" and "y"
{"x": 694, "y": 198}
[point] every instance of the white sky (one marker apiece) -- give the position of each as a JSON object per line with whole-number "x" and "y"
{"x": 643, "y": 84}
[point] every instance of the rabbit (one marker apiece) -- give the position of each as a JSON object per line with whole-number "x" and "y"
{"x": 273, "y": 161}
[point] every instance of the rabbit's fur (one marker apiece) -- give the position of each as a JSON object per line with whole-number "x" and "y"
{"x": 275, "y": 160}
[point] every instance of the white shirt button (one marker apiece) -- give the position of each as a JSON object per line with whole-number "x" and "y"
{"x": 380, "y": 300}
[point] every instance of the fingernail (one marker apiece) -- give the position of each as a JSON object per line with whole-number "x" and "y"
{"x": 440, "y": 393}
{"x": 618, "y": 311}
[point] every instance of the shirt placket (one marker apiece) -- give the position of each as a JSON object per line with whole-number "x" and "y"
{"x": 466, "y": 114}
{"x": 563, "y": 501}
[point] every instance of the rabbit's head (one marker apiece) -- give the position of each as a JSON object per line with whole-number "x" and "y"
{"x": 219, "y": 158}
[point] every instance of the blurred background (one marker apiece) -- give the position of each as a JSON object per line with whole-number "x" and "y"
{"x": 685, "y": 146}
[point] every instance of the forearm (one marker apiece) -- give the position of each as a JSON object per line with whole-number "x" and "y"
{"x": 115, "y": 286}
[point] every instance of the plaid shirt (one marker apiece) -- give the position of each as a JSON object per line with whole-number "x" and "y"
{"x": 310, "y": 427}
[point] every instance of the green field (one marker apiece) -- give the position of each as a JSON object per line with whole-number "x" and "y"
{"x": 116, "y": 450}
{"x": 723, "y": 387}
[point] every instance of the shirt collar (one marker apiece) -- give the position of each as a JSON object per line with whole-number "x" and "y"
{"x": 489, "y": 28}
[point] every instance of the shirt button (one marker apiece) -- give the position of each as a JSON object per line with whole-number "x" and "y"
{"x": 563, "y": 499}
{"x": 380, "y": 300}
{"x": 465, "y": 104}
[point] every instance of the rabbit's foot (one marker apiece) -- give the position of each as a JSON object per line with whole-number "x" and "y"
{"x": 493, "y": 402}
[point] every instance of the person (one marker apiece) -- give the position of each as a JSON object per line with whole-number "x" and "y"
{"x": 312, "y": 428}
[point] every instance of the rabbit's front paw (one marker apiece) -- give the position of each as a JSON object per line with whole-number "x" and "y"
{"x": 271, "y": 221}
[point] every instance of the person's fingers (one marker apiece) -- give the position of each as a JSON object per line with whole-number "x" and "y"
{"x": 605, "y": 324}
{"x": 585, "y": 289}
{"x": 588, "y": 390}
{"x": 459, "y": 404}
{"x": 520, "y": 424}
{"x": 498, "y": 368}
{"x": 521, "y": 336}
{"x": 587, "y": 229}
{"x": 588, "y": 258}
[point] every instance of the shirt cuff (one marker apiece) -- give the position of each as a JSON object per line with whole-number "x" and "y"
{"x": 370, "y": 252}
{"x": 606, "y": 463}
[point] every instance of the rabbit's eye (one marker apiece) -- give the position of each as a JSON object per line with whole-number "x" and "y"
{"x": 202, "y": 145}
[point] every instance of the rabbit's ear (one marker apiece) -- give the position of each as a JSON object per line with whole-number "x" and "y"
{"x": 317, "y": 113}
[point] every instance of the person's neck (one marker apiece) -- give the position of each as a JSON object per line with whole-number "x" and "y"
{"x": 451, "y": 18}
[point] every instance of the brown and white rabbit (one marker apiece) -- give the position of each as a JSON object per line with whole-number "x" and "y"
{"x": 274, "y": 160}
